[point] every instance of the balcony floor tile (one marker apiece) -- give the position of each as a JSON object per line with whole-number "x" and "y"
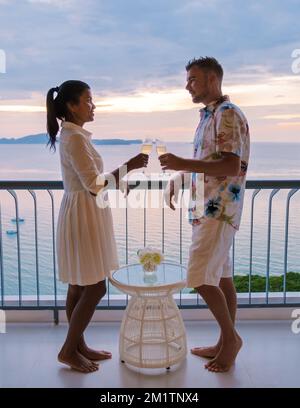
{"x": 268, "y": 358}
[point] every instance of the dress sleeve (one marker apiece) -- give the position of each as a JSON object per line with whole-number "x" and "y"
{"x": 84, "y": 165}
{"x": 230, "y": 131}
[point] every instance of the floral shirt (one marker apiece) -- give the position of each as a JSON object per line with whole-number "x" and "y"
{"x": 222, "y": 128}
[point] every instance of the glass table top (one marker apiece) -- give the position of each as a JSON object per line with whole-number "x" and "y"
{"x": 166, "y": 274}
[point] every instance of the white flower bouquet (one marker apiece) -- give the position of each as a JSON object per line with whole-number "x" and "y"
{"x": 150, "y": 258}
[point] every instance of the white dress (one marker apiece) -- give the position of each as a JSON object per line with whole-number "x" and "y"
{"x": 86, "y": 247}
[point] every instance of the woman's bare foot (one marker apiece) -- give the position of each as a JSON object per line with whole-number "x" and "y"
{"x": 95, "y": 355}
{"x": 207, "y": 352}
{"x": 77, "y": 362}
{"x": 226, "y": 356}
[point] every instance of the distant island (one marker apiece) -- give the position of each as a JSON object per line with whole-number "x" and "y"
{"x": 42, "y": 138}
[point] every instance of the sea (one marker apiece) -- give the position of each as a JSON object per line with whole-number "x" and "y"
{"x": 268, "y": 161}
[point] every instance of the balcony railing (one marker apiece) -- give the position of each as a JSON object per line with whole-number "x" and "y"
{"x": 14, "y": 297}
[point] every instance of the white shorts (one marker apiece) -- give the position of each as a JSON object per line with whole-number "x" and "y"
{"x": 209, "y": 256}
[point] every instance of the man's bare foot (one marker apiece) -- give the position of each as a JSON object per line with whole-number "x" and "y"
{"x": 207, "y": 352}
{"x": 226, "y": 356}
{"x": 95, "y": 355}
{"x": 77, "y": 362}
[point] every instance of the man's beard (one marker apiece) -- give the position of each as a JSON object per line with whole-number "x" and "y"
{"x": 197, "y": 98}
{"x": 201, "y": 97}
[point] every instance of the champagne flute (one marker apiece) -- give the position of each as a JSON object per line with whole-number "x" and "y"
{"x": 161, "y": 148}
{"x": 146, "y": 147}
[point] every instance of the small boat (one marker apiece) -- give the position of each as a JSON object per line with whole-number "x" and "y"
{"x": 11, "y": 232}
{"x": 15, "y": 220}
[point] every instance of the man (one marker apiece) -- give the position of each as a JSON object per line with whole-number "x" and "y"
{"x": 221, "y": 152}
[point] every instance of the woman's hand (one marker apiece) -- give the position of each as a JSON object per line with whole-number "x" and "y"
{"x": 141, "y": 160}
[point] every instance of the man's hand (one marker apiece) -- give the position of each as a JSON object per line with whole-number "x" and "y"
{"x": 169, "y": 161}
{"x": 169, "y": 195}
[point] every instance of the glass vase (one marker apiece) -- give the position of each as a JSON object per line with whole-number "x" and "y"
{"x": 150, "y": 276}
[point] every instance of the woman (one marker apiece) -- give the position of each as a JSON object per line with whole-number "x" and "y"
{"x": 86, "y": 248}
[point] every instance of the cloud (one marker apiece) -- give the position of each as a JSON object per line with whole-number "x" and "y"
{"x": 146, "y": 101}
{"x": 21, "y": 108}
{"x": 55, "y": 3}
{"x": 140, "y": 44}
{"x": 266, "y": 92}
{"x": 133, "y": 55}
{"x": 283, "y": 116}
{"x": 168, "y": 125}
{"x": 253, "y": 93}
{"x": 288, "y": 124}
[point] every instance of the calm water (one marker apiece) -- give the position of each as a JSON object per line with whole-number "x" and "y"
{"x": 34, "y": 162}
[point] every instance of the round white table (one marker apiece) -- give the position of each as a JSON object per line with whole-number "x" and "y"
{"x": 152, "y": 333}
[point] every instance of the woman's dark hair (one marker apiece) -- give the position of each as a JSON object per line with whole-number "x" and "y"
{"x": 67, "y": 92}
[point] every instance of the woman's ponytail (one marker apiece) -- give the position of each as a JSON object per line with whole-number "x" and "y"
{"x": 52, "y": 123}
{"x": 57, "y": 108}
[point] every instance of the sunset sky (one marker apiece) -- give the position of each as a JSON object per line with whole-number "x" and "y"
{"x": 133, "y": 55}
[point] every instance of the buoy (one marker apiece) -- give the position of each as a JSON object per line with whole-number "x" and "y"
{"x": 11, "y": 232}
{"x": 15, "y": 220}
